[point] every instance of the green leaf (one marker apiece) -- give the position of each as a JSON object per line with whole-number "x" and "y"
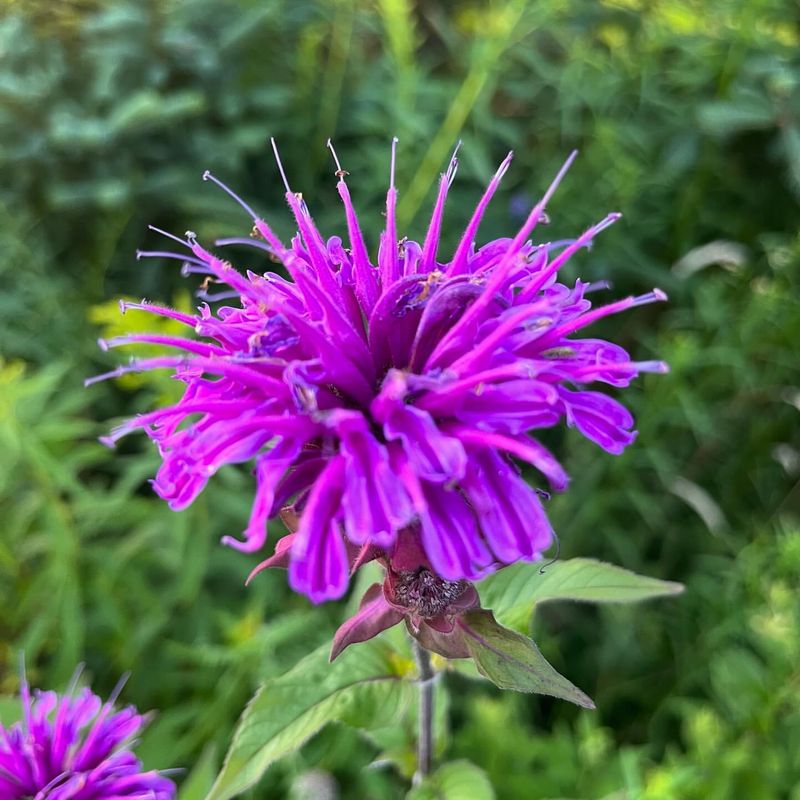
{"x": 288, "y": 710}
{"x": 723, "y": 118}
{"x": 201, "y": 778}
{"x": 147, "y": 109}
{"x": 10, "y": 710}
{"x": 512, "y": 661}
{"x": 513, "y": 592}
{"x": 458, "y": 780}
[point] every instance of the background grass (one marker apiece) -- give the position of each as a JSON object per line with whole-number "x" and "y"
{"x": 687, "y": 115}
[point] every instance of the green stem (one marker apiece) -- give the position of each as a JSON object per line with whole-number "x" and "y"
{"x": 425, "y": 713}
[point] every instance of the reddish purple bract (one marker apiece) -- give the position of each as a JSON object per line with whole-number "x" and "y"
{"x": 392, "y": 396}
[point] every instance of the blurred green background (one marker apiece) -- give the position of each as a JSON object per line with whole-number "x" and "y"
{"x": 687, "y": 115}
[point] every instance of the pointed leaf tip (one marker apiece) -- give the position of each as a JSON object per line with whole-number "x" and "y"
{"x": 512, "y": 661}
{"x": 513, "y": 592}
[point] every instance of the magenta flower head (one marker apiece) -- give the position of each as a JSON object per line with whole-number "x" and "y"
{"x": 391, "y": 405}
{"x": 75, "y": 747}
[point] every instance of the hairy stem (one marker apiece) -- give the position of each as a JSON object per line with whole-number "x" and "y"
{"x": 425, "y": 737}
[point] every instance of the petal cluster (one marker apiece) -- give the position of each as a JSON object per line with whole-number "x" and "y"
{"x": 400, "y": 394}
{"x": 75, "y": 747}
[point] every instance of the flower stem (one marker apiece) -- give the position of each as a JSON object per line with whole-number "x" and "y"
{"x": 425, "y": 713}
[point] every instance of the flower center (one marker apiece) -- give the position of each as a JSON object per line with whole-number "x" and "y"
{"x": 425, "y": 593}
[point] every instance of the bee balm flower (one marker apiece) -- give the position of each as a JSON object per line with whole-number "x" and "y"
{"x": 75, "y": 747}
{"x": 391, "y": 396}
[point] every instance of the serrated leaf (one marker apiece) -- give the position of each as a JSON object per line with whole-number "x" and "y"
{"x": 288, "y": 710}
{"x": 512, "y": 661}
{"x": 513, "y": 592}
{"x": 458, "y": 780}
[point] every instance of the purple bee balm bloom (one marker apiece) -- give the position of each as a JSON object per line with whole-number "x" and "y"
{"x": 75, "y": 747}
{"x": 384, "y": 397}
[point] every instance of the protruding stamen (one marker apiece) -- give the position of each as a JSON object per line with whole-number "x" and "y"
{"x": 452, "y": 167}
{"x": 559, "y": 177}
{"x": 207, "y": 176}
{"x": 537, "y": 214}
{"x": 553, "y": 560}
{"x": 584, "y": 240}
{"x": 656, "y": 296}
{"x": 140, "y": 254}
{"x": 395, "y": 140}
{"x": 188, "y": 268}
{"x": 117, "y": 690}
{"x": 203, "y": 294}
{"x": 584, "y": 320}
{"x": 340, "y": 173}
{"x": 610, "y": 219}
{"x": 460, "y": 257}
{"x": 73, "y": 681}
{"x": 161, "y": 311}
{"x": 658, "y": 367}
{"x": 114, "y": 373}
{"x": 280, "y": 165}
{"x": 596, "y": 286}
{"x": 428, "y": 258}
{"x": 388, "y": 260}
{"x": 229, "y": 240}
{"x": 169, "y": 236}
{"x": 190, "y": 345}
{"x": 500, "y": 273}
{"x": 503, "y": 168}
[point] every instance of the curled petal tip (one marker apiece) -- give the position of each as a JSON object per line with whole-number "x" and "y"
{"x": 206, "y": 175}
{"x": 103, "y": 344}
{"x": 660, "y": 295}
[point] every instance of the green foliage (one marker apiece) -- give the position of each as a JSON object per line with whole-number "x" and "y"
{"x": 458, "y": 780}
{"x": 686, "y": 114}
{"x": 512, "y": 661}
{"x": 368, "y": 689}
{"x": 362, "y": 688}
{"x": 201, "y": 779}
{"x": 513, "y": 593}
{"x": 738, "y": 717}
